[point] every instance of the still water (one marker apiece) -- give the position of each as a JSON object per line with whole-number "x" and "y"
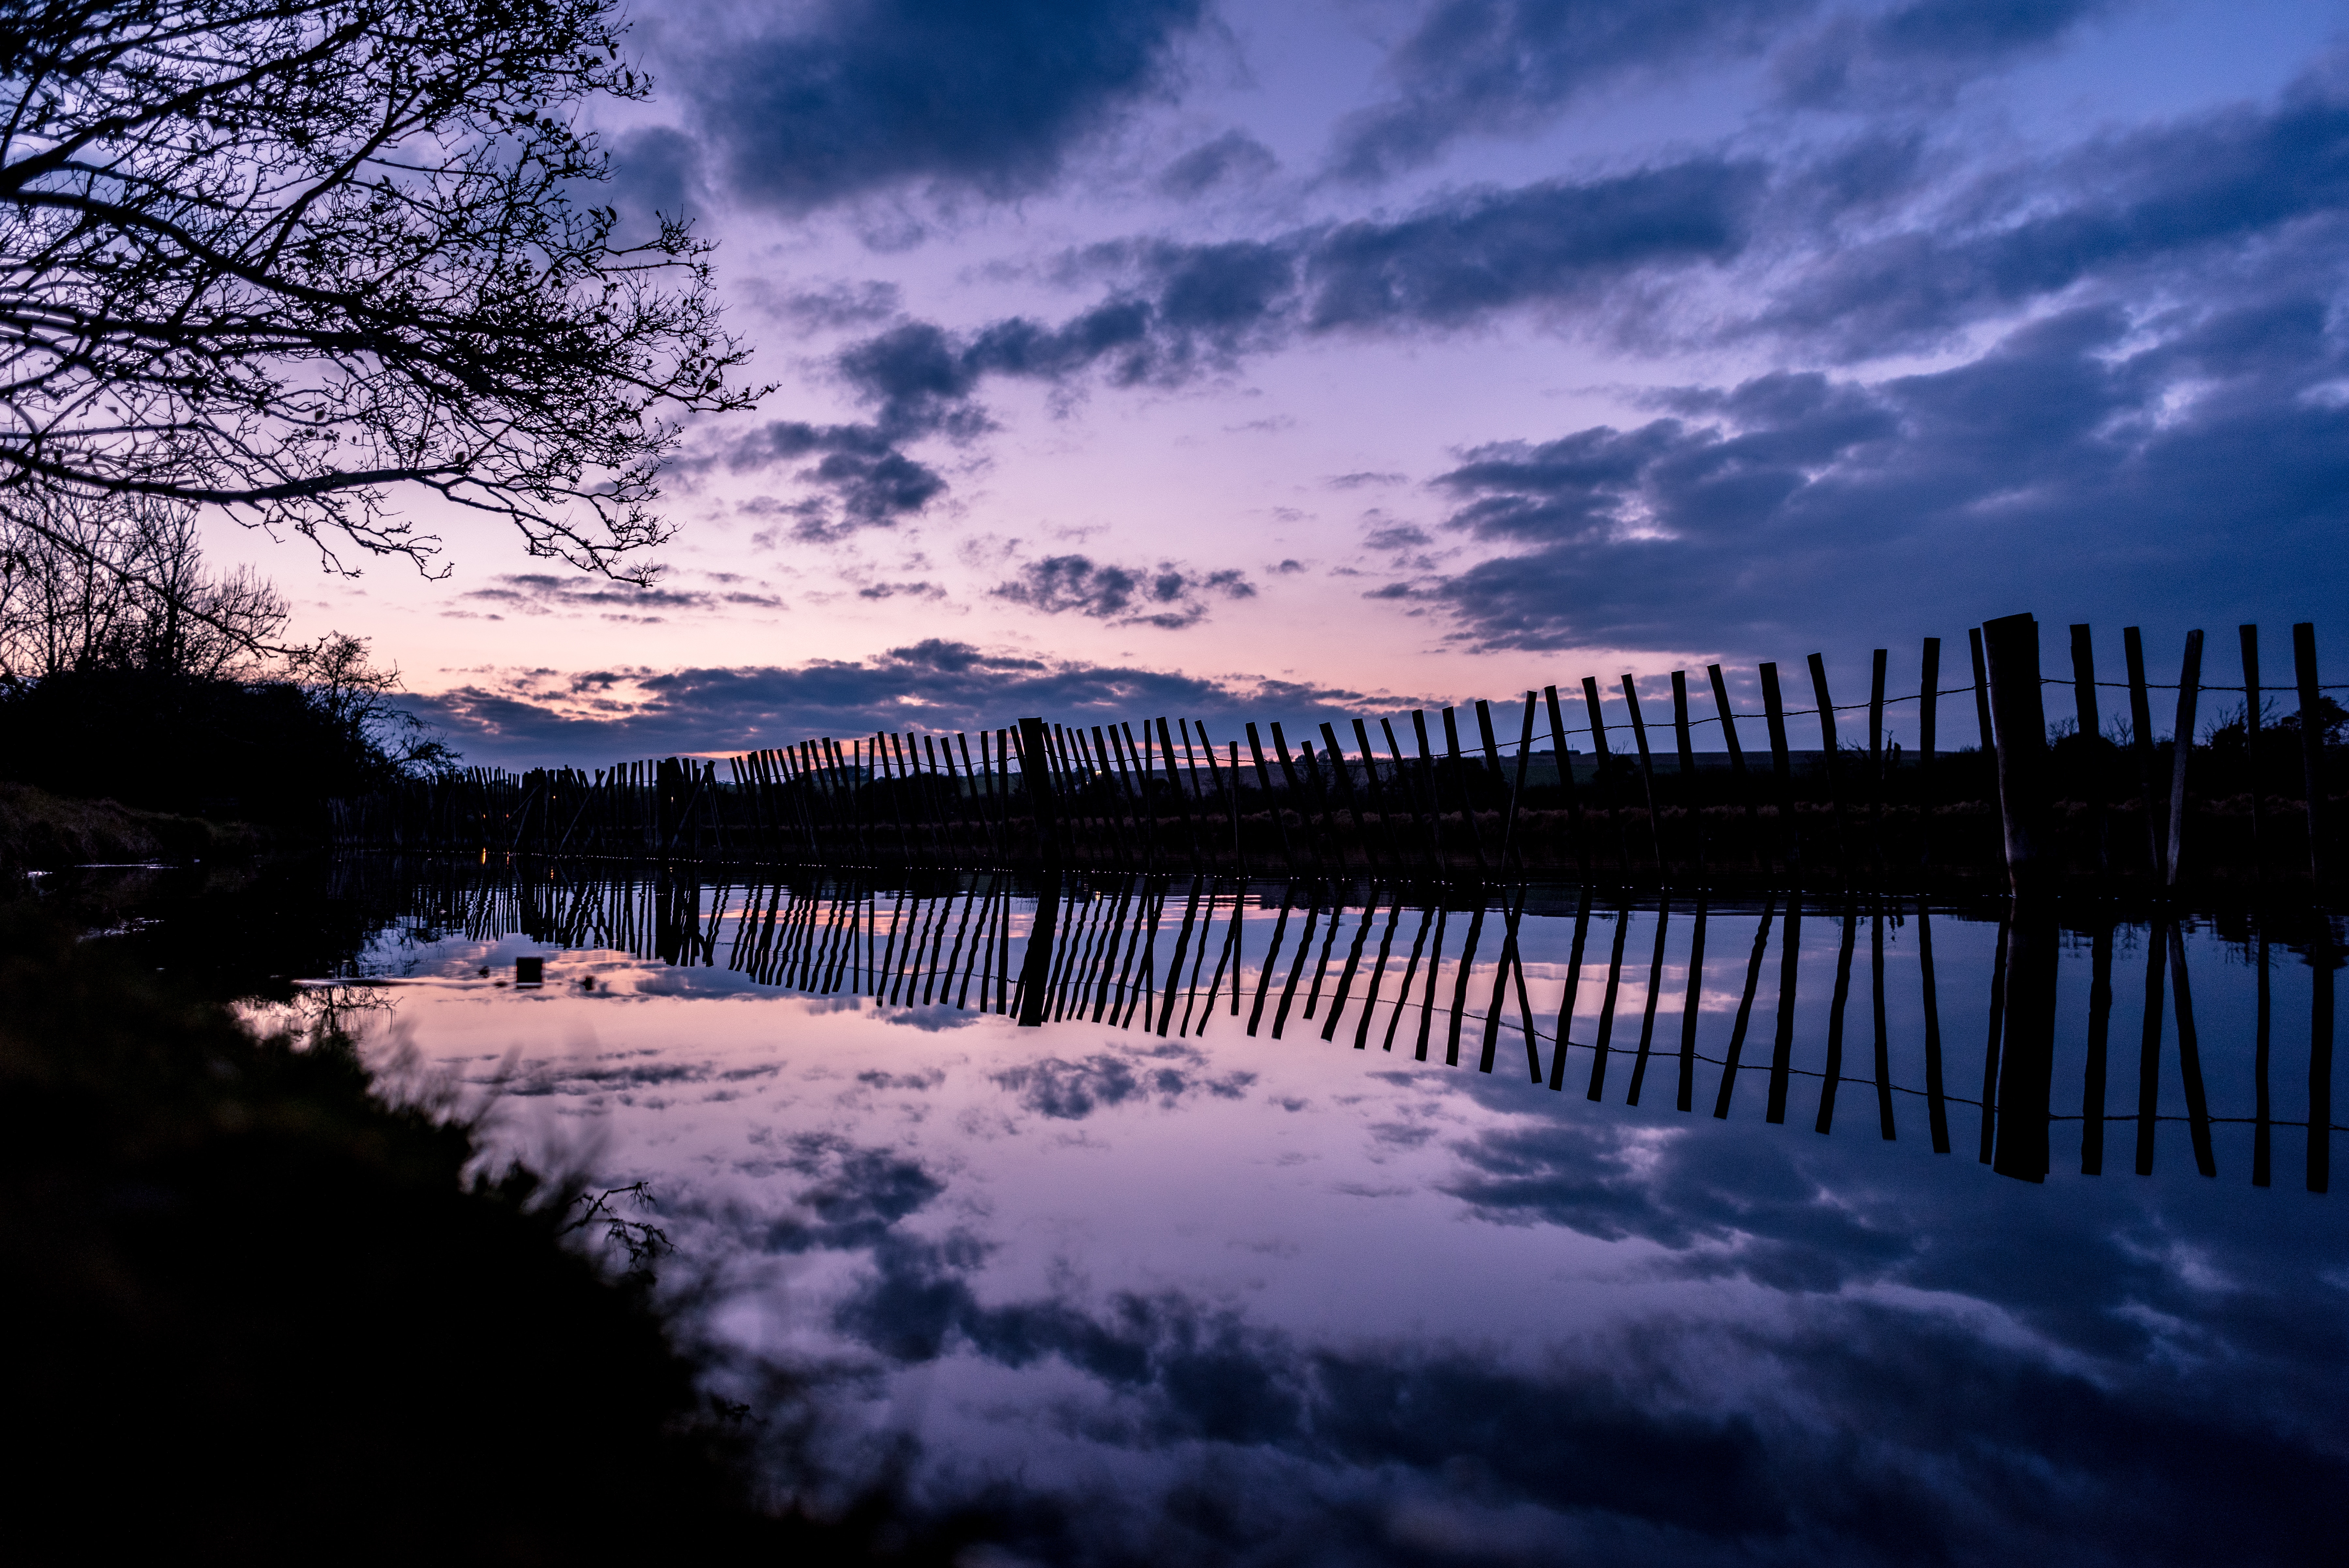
{"x": 1283, "y": 1231}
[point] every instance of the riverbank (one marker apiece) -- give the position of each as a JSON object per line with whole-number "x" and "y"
{"x": 280, "y": 1316}
{"x": 45, "y": 832}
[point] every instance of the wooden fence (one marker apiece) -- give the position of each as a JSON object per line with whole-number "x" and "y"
{"x": 2256, "y": 805}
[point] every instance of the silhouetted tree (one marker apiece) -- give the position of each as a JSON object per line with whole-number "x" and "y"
{"x": 289, "y": 258}
{"x": 119, "y": 583}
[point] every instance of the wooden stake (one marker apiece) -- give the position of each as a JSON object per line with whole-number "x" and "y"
{"x": 2181, "y": 748}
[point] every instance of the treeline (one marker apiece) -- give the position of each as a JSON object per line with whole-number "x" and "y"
{"x": 131, "y": 671}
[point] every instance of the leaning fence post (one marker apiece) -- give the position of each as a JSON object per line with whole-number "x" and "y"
{"x": 1263, "y": 777}
{"x": 1609, "y": 796}
{"x": 1829, "y": 749}
{"x": 1737, "y": 763}
{"x": 2181, "y": 747}
{"x": 2011, "y": 648}
{"x": 1647, "y": 775}
{"x": 2312, "y": 740}
{"x": 1565, "y": 759}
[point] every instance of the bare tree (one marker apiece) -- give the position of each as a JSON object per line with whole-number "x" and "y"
{"x": 289, "y": 258}
{"x": 119, "y": 583}
{"x": 341, "y": 681}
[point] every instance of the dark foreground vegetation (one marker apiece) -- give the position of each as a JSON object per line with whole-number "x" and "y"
{"x": 135, "y": 678}
{"x": 264, "y": 1315}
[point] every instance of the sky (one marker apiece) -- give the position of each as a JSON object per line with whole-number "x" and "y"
{"x": 1292, "y": 360}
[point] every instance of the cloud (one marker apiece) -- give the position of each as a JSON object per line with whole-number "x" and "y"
{"x": 1177, "y": 311}
{"x": 1981, "y": 1443}
{"x": 1921, "y": 53}
{"x": 2178, "y": 210}
{"x": 1169, "y": 596}
{"x": 542, "y": 593}
{"x": 831, "y": 306}
{"x": 1071, "y": 1091}
{"x": 655, "y": 173}
{"x": 2083, "y": 465}
{"x": 533, "y": 719}
{"x": 1509, "y": 67}
{"x": 1233, "y": 158}
{"x": 869, "y": 96}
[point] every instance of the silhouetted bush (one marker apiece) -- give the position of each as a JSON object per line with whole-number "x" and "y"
{"x": 262, "y": 751}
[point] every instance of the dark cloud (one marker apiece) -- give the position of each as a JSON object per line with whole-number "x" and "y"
{"x": 1555, "y": 242}
{"x": 833, "y": 306}
{"x": 541, "y": 593}
{"x": 1397, "y": 536}
{"x": 2175, "y": 211}
{"x": 1233, "y": 158}
{"x": 1512, "y": 66}
{"x": 655, "y": 173}
{"x": 2084, "y": 466}
{"x": 860, "y": 1194}
{"x": 1071, "y": 1091}
{"x": 867, "y": 97}
{"x": 594, "y": 719}
{"x": 1945, "y": 1443}
{"x": 1920, "y": 52}
{"x": 1178, "y": 310}
{"x": 1167, "y": 596}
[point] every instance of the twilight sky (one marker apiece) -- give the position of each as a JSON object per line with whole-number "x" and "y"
{"x": 1161, "y": 356}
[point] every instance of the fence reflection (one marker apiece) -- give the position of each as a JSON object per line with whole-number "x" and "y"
{"x": 1569, "y": 978}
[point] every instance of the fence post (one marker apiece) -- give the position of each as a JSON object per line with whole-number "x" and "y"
{"x": 1035, "y": 773}
{"x": 1647, "y": 775}
{"x": 1565, "y": 759}
{"x": 2181, "y": 747}
{"x": 2086, "y": 715}
{"x": 2312, "y": 741}
{"x": 1781, "y": 769}
{"x": 2010, "y": 650}
{"x": 2249, "y": 638}
{"x": 1928, "y": 712}
{"x": 1744, "y": 786}
{"x": 1688, "y": 790}
{"x": 1827, "y": 750}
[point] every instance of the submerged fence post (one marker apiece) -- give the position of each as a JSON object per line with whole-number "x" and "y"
{"x": 2010, "y": 647}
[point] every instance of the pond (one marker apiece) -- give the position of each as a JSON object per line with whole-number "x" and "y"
{"x": 1189, "y": 1223}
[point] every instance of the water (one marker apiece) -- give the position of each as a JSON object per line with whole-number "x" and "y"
{"x": 1238, "y": 1256}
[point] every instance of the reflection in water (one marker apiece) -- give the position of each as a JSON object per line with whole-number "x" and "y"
{"x": 1113, "y": 951}
{"x": 1175, "y": 1274}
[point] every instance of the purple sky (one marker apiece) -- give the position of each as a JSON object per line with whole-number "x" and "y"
{"x": 1281, "y": 359}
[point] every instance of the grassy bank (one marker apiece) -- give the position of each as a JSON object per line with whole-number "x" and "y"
{"x": 268, "y": 1316}
{"x": 41, "y": 832}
